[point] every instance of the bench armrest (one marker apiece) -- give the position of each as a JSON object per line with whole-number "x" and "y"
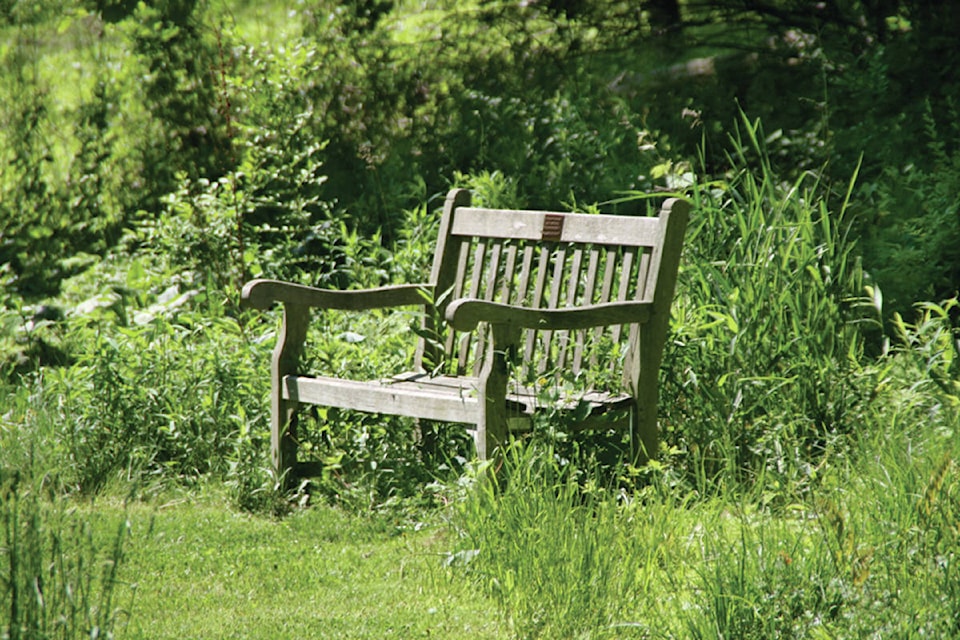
{"x": 464, "y": 315}
{"x": 260, "y": 294}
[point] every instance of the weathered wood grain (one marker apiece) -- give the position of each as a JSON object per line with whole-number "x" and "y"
{"x": 523, "y": 297}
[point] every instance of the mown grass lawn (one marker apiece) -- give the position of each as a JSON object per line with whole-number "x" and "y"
{"x": 195, "y": 568}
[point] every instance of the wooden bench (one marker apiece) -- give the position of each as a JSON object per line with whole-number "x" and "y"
{"x": 524, "y": 303}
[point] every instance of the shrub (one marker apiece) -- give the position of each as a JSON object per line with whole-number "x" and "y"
{"x": 763, "y": 369}
{"x": 909, "y": 222}
{"x": 183, "y": 67}
{"x": 164, "y": 397}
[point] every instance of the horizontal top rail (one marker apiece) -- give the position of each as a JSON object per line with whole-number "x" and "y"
{"x": 557, "y": 227}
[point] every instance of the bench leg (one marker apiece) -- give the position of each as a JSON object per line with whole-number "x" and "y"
{"x": 286, "y": 356}
{"x": 283, "y": 441}
{"x": 492, "y": 427}
{"x": 644, "y": 433}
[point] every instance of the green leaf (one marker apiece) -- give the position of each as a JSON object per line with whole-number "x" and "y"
{"x": 136, "y": 275}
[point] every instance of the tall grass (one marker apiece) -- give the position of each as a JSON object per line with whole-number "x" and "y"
{"x": 765, "y": 370}
{"x": 58, "y": 575}
{"x": 871, "y": 550}
{"x": 545, "y": 539}
{"x": 808, "y": 486}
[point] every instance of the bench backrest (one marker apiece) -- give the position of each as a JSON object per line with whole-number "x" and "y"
{"x": 554, "y": 260}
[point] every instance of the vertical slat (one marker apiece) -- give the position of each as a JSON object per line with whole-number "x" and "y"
{"x": 589, "y": 288}
{"x": 556, "y": 287}
{"x": 492, "y": 268}
{"x": 641, "y": 291}
{"x": 476, "y": 271}
{"x": 541, "y": 279}
{"x": 463, "y": 258}
{"x": 626, "y": 274}
{"x": 556, "y": 282}
{"x": 476, "y": 276}
{"x": 526, "y": 270}
{"x": 611, "y": 258}
{"x": 609, "y": 272}
{"x": 506, "y": 289}
{"x": 572, "y": 281}
{"x": 642, "y": 275}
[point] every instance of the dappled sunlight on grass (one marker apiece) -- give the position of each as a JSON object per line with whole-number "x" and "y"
{"x": 194, "y": 568}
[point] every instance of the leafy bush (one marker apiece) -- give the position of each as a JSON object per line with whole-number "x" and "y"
{"x": 865, "y": 550}
{"x": 43, "y": 219}
{"x": 160, "y": 379}
{"x": 933, "y": 342}
{"x": 163, "y": 397}
{"x": 183, "y": 69}
{"x": 764, "y": 365}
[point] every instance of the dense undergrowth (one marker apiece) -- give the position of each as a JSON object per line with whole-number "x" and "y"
{"x": 807, "y": 481}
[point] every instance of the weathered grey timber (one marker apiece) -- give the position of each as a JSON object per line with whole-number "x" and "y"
{"x": 525, "y": 302}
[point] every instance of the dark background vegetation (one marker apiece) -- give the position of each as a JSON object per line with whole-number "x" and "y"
{"x": 155, "y": 155}
{"x": 571, "y": 101}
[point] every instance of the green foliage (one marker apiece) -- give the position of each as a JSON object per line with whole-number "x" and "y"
{"x": 910, "y": 222}
{"x": 808, "y": 482}
{"x": 765, "y": 361}
{"x": 933, "y": 341}
{"x": 183, "y": 70}
{"x": 868, "y": 550}
{"x": 31, "y": 229}
{"x": 371, "y": 461}
{"x": 196, "y": 568}
{"x": 490, "y": 189}
{"x": 548, "y": 548}
{"x": 770, "y": 583}
{"x": 283, "y": 219}
{"x": 158, "y": 382}
{"x": 412, "y": 256}
{"x": 402, "y": 99}
{"x": 69, "y": 182}
{"x": 159, "y": 397}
